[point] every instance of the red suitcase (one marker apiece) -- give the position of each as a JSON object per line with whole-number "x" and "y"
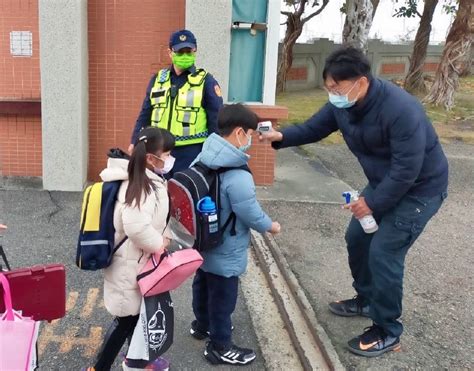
{"x": 39, "y": 291}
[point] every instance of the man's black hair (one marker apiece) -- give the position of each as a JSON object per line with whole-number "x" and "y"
{"x": 232, "y": 116}
{"x": 346, "y": 63}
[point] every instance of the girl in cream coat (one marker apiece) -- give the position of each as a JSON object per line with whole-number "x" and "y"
{"x": 140, "y": 214}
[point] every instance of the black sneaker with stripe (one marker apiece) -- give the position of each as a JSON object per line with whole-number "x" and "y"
{"x": 357, "y": 306}
{"x": 198, "y": 333}
{"x": 233, "y": 355}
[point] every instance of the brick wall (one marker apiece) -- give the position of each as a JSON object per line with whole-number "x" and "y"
{"x": 390, "y": 61}
{"x": 392, "y": 68}
{"x": 127, "y": 43}
{"x": 262, "y": 155}
{"x": 20, "y": 135}
{"x": 298, "y": 73}
{"x": 430, "y": 67}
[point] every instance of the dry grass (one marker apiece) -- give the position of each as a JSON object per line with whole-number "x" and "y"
{"x": 455, "y": 125}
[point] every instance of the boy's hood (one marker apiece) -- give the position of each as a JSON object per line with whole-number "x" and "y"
{"x": 217, "y": 153}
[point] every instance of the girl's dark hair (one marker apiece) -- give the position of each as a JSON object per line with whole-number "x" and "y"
{"x": 150, "y": 140}
{"x": 346, "y": 63}
{"x": 236, "y": 115}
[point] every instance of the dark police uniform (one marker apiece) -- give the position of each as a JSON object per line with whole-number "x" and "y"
{"x": 211, "y": 103}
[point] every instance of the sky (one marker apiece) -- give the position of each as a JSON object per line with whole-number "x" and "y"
{"x": 330, "y": 22}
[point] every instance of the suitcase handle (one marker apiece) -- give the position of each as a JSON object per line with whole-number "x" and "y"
{"x": 7, "y": 297}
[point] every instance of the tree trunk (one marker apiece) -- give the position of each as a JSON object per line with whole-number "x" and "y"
{"x": 375, "y": 5}
{"x": 293, "y": 31}
{"x": 467, "y": 67}
{"x": 359, "y": 15}
{"x": 456, "y": 53}
{"x": 414, "y": 80}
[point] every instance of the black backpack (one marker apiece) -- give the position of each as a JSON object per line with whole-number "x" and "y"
{"x": 186, "y": 189}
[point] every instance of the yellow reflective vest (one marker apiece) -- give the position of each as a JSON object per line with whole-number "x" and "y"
{"x": 180, "y": 112}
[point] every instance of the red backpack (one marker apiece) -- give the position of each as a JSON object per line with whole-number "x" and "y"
{"x": 189, "y": 226}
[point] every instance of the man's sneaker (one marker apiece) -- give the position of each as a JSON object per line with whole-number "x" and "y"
{"x": 374, "y": 342}
{"x": 199, "y": 334}
{"x": 233, "y": 355}
{"x": 350, "y": 307}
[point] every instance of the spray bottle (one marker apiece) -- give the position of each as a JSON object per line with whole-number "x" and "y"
{"x": 368, "y": 222}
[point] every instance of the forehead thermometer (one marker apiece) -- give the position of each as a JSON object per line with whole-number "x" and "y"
{"x": 264, "y": 126}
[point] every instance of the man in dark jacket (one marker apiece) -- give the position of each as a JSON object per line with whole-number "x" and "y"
{"x": 388, "y": 131}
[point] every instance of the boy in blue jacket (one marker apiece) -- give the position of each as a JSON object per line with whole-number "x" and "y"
{"x": 215, "y": 285}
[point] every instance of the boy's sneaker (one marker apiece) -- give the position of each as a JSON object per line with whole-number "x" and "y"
{"x": 374, "y": 342}
{"x": 199, "y": 334}
{"x": 196, "y": 332}
{"x": 350, "y": 307}
{"x": 233, "y": 355}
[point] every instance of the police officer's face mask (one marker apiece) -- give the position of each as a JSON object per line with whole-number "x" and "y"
{"x": 183, "y": 60}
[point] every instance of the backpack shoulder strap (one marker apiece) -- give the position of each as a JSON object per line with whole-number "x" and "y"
{"x": 232, "y": 217}
{"x": 243, "y": 167}
{"x": 119, "y": 244}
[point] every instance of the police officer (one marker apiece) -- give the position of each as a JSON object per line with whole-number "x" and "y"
{"x": 388, "y": 131}
{"x": 182, "y": 99}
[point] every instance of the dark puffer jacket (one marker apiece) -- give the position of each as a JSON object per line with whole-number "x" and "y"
{"x": 392, "y": 138}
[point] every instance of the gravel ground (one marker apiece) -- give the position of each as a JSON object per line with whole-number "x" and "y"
{"x": 438, "y": 302}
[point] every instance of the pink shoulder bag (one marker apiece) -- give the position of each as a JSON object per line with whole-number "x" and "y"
{"x": 168, "y": 271}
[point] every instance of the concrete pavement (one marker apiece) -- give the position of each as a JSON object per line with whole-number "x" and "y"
{"x": 438, "y": 300}
{"x": 306, "y": 200}
{"x": 43, "y": 228}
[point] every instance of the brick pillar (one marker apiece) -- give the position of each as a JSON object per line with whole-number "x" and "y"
{"x": 128, "y": 43}
{"x": 262, "y": 155}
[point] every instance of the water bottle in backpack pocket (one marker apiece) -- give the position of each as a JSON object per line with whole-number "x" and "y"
{"x": 209, "y": 221}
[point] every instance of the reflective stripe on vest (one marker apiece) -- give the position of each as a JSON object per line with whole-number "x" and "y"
{"x": 183, "y": 114}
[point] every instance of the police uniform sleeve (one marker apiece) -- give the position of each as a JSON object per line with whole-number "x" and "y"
{"x": 212, "y": 102}
{"x": 144, "y": 118}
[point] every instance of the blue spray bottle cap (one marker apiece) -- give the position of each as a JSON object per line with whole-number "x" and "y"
{"x": 206, "y": 205}
{"x": 347, "y": 196}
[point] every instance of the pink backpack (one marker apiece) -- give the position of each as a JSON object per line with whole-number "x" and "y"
{"x": 168, "y": 271}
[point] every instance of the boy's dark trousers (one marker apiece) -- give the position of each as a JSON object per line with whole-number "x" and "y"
{"x": 214, "y": 300}
{"x": 377, "y": 260}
